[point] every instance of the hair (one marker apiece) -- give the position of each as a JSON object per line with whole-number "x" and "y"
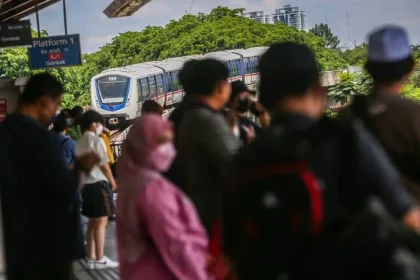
{"x": 390, "y": 72}
{"x": 186, "y": 73}
{"x": 203, "y": 76}
{"x": 40, "y": 85}
{"x": 151, "y": 106}
{"x": 60, "y": 124}
{"x": 66, "y": 112}
{"x": 89, "y": 118}
{"x": 297, "y": 73}
{"x": 76, "y": 112}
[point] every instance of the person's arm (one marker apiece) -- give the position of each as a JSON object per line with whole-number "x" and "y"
{"x": 100, "y": 149}
{"x": 385, "y": 180}
{"x": 176, "y": 231}
{"x": 59, "y": 181}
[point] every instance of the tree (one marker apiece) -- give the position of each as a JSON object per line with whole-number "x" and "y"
{"x": 324, "y": 31}
{"x": 356, "y": 56}
{"x": 343, "y": 90}
{"x": 221, "y": 29}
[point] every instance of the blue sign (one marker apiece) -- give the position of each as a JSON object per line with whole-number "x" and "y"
{"x": 55, "y": 52}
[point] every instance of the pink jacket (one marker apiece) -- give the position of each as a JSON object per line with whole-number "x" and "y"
{"x": 159, "y": 233}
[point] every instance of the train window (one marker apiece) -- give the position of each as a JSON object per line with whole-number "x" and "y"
{"x": 233, "y": 69}
{"x": 246, "y": 65}
{"x": 238, "y": 65}
{"x": 145, "y": 95}
{"x": 169, "y": 82}
{"x": 159, "y": 85}
{"x": 152, "y": 86}
{"x": 175, "y": 81}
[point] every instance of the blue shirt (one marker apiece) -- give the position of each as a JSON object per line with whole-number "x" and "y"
{"x": 69, "y": 148}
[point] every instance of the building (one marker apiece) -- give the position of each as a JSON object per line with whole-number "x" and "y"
{"x": 291, "y": 15}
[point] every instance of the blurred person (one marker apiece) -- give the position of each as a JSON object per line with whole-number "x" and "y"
{"x": 35, "y": 181}
{"x": 66, "y": 112}
{"x": 74, "y": 130}
{"x": 146, "y": 244}
{"x": 151, "y": 106}
{"x": 67, "y": 144}
{"x": 96, "y": 199}
{"x": 329, "y": 170}
{"x": 242, "y": 101}
{"x": 232, "y": 121}
{"x": 205, "y": 142}
{"x": 393, "y": 119}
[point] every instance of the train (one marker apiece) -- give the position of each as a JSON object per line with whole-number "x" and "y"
{"x": 118, "y": 93}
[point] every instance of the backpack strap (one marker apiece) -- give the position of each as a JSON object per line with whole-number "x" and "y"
{"x": 64, "y": 142}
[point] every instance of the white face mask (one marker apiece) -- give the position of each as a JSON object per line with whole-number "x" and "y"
{"x": 99, "y": 129}
{"x": 163, "y": 156}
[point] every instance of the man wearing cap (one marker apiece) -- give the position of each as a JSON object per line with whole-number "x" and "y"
{"x": 346, "y": 160}
{"x": 393, "y": 119}
{"x": 241, "y": 102}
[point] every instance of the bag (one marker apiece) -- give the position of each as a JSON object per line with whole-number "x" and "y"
{"x": 278, "y": 205}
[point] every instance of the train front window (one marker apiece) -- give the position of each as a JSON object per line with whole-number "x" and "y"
{"x": 112, "y": 89}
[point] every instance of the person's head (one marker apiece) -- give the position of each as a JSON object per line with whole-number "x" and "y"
{"x": 76, "y": 113}
{"x": 42, "y": 97}
{"x": 185, "y": 75}
{"x": 65, "y": 112}
{"x": 148, "y": 145}
{"x": 151, "y": 106}
{"x": 60, "y": 124}
{"x": 390, "y": 58}
{"x": 241, "y": 98}
{"x": 290, "y": 80}
{"x": 92, "y": 121}
{"x": 209, "y": 82}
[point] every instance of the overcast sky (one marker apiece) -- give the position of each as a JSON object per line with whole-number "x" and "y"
{"x": 86, "y": 16}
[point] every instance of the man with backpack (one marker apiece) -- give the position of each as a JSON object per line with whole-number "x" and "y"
{"x": 301, "y": 184}
{"x": 393, "y": 119}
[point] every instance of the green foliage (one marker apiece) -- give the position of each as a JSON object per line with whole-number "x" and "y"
{"x": 345, "y": 89}
{"x": 356, "y": 56}
{"x": 330, "y": 114}
{"x": 324, "y": 31}
{"x": 222, "y": 29}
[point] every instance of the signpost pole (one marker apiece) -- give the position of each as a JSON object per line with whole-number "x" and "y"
{"x": 37, "y": 18}
{"x": 65, "y": 17}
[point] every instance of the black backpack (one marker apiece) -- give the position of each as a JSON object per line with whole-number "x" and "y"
{"x": 275, "y": 209}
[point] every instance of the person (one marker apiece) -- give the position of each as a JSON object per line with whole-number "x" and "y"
{"x": 393, "y": 119}
{"x": 347, "y": 165}
{"x": 146, "y": 244}
{"x": 96, "y": 205}
{"x": 105, "y": 137}
{"x": 205, "y": 142}
{"x": 74, "y": 129}
{"x": 232, "y": 121}
{"x": 35, "y": 181}
{"x": 151, "y": 106}
{"x": 241, "y": 102}
{"x": 67, "y": 144}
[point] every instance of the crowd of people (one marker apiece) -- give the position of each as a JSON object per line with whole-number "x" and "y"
{"x": 231, "y": 186}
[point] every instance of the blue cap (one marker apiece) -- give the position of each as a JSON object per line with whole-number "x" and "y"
{"x": 389, "y": 44}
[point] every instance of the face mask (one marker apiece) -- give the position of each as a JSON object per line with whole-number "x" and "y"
{"x": 244, "y": 104}
{"x": 163, "y": 156}
{"x": 69, "y": 122}
{"x": 99, "y": 129}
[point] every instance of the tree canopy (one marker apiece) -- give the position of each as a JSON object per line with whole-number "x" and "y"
{"x": 324, "y": 31}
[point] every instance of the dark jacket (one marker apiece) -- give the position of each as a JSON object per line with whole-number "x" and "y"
{"x": 41, "y": 212}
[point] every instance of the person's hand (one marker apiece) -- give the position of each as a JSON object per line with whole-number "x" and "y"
{"x": 88, "y": 161}
{"x": 114, "y": 186}
{"x": 250, "y": 133}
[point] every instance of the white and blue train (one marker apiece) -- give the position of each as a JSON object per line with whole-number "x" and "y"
{"x": 119, "y": 93}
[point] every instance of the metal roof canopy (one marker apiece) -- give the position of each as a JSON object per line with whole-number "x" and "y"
{"x": 124, "y": 8}
{"x": 18, "y": 9}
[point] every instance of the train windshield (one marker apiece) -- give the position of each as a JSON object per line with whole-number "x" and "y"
{"x": 112, "y": 89}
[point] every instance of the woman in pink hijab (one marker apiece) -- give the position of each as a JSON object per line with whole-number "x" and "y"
{"x": 159, "y": 234}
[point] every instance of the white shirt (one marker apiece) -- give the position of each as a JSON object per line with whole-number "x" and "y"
{"x": 90, "y": 142}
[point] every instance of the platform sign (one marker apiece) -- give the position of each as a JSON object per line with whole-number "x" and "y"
{"x": 15, "y": 34}
{"x": 55, "y": 52}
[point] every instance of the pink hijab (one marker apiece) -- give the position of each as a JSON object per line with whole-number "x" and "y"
{"x": 135, "y": 169}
